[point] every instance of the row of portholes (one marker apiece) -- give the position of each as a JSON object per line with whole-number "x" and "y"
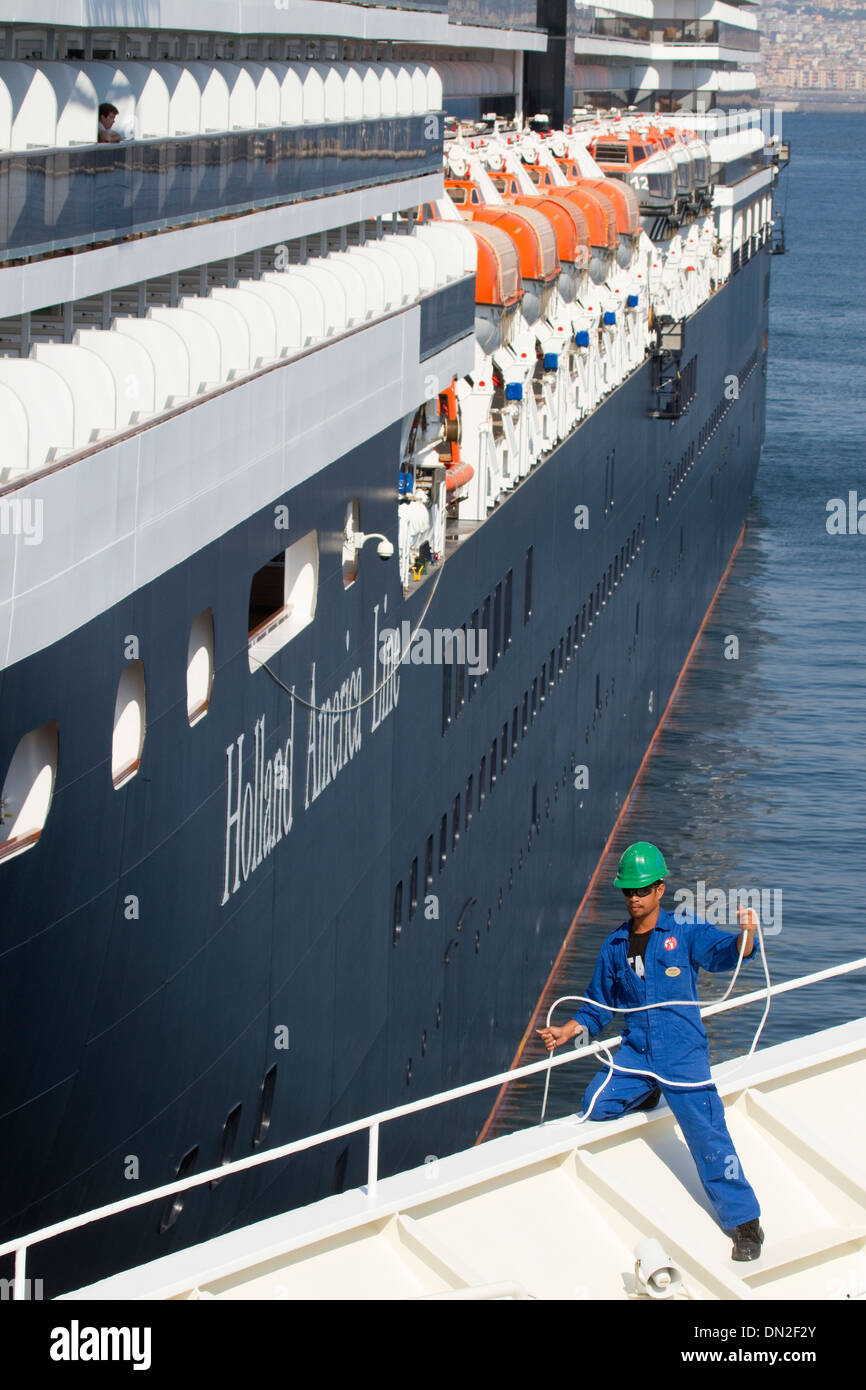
{"x": 231, "y": 1127}
{"x": 28, "y": 787}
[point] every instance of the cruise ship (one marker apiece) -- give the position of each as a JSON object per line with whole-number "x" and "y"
{"x": 382, "y": 390}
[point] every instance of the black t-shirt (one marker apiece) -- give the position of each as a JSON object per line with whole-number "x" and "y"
{"x": 637, "y": 950}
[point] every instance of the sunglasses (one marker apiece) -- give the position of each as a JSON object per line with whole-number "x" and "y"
{"x": 638, "y": 892}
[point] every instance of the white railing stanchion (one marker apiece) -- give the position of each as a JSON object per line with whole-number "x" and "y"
{"x": 19, "y": 1287}
{"x": 373, "y": 1164}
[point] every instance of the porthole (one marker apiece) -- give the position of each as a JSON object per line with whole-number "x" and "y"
{"x": 266, "y": 1105}
{"x": 27, "y": 790}
{"x": 129, "y": 724}
{"x": 229, "y": 1139}
{"x": 199, "y": 667}
{"x": 174, "y": 1206}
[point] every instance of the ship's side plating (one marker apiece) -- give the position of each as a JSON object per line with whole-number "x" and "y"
{"x": 164, "y": 964}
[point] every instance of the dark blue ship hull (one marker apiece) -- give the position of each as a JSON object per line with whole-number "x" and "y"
{"x": 161, "y": 955}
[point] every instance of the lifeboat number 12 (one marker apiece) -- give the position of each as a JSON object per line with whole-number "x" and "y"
{"x": 640, "y": 181}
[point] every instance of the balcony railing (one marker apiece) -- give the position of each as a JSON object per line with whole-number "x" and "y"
{"x": 685, "y": 31}
{"x": 54, "y": 199}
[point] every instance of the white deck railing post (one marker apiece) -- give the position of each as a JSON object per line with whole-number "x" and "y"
{"x": 19, "y": 1287}
{"x": 373, "y": 1164}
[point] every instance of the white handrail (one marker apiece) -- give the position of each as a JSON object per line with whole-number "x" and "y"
{"x": 20, "y": 1245}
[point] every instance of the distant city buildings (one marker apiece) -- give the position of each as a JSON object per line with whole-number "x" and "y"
{"x": 816, "y": 48}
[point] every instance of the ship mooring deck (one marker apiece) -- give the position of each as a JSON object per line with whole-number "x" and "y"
{"x": 556, "y": 1211}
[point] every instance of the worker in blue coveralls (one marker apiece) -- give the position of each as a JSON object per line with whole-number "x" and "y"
{"x": 648, "y": 959}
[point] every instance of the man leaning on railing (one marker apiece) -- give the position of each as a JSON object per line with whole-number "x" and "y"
{"x": 107, "y": 116}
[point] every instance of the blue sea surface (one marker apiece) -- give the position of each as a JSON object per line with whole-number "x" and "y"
{"x": 758, "y": 779}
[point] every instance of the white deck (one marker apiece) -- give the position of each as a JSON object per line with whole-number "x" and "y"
{"x": 556, "y": 1211}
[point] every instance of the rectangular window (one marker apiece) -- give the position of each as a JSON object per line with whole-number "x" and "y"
{"x": 455, "y": 823}
{"x": 282, "y": 601}
{"x": 470, "y": 783}
{"x": 514, "y": 732}
{"x": 443, "y": 842}
{"x": 446, "y": 695}
{"x": 460, "y": 677}
{"x": 398, "y": 910}
{"x": 472, "y": 682}
{"x": 497, "y": 625}
{"x": 506, "y": 633}
{"x": 485, "y": 642}
{"x": 527, "y": 597}
{"x": 413, "y": 888}
{"x": 428, "y": 864}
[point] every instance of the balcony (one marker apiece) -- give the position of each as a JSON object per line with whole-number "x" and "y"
{"x": 55, "y": 199}
{"x": 679, "y": 31}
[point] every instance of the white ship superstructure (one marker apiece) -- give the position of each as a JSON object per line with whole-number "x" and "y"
{"x": 666, "y": 55}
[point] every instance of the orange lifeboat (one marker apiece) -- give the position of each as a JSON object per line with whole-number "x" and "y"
{"x": 620, "y": 152}
{"x": 625, "y": 201}
{"x": 535, "y": 239}
{"x": 533, "y": 236}
{"x": 498, "y": 288}
{"x": 599, "y": 211}
{"x": 568, "y": 222}
{"x": 497, "y": 277}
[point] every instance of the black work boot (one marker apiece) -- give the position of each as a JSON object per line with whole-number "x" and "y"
{"x": 748, "y": 1240}
{"x": 651, "y": 1101}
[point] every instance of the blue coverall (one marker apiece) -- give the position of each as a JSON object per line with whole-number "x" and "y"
{"x": 673, "y": 1044}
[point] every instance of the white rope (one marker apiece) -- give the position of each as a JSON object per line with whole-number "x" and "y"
{"x": 664, "y": 1004}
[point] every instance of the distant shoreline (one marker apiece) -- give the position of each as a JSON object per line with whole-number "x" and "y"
{"x": 814, "y": 106}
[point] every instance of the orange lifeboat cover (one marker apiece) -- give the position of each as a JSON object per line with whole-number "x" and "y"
{"x": 578, "y": 217}
{"x": 531, "y": 233}
{"x": 599, "y": 210}
{"x": 625, "y": 201}
{"x": 497, "y": 278}
{"x": 558, "y": 215}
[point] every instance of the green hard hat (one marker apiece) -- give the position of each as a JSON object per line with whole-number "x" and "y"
{"x": 640, "y": 865}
